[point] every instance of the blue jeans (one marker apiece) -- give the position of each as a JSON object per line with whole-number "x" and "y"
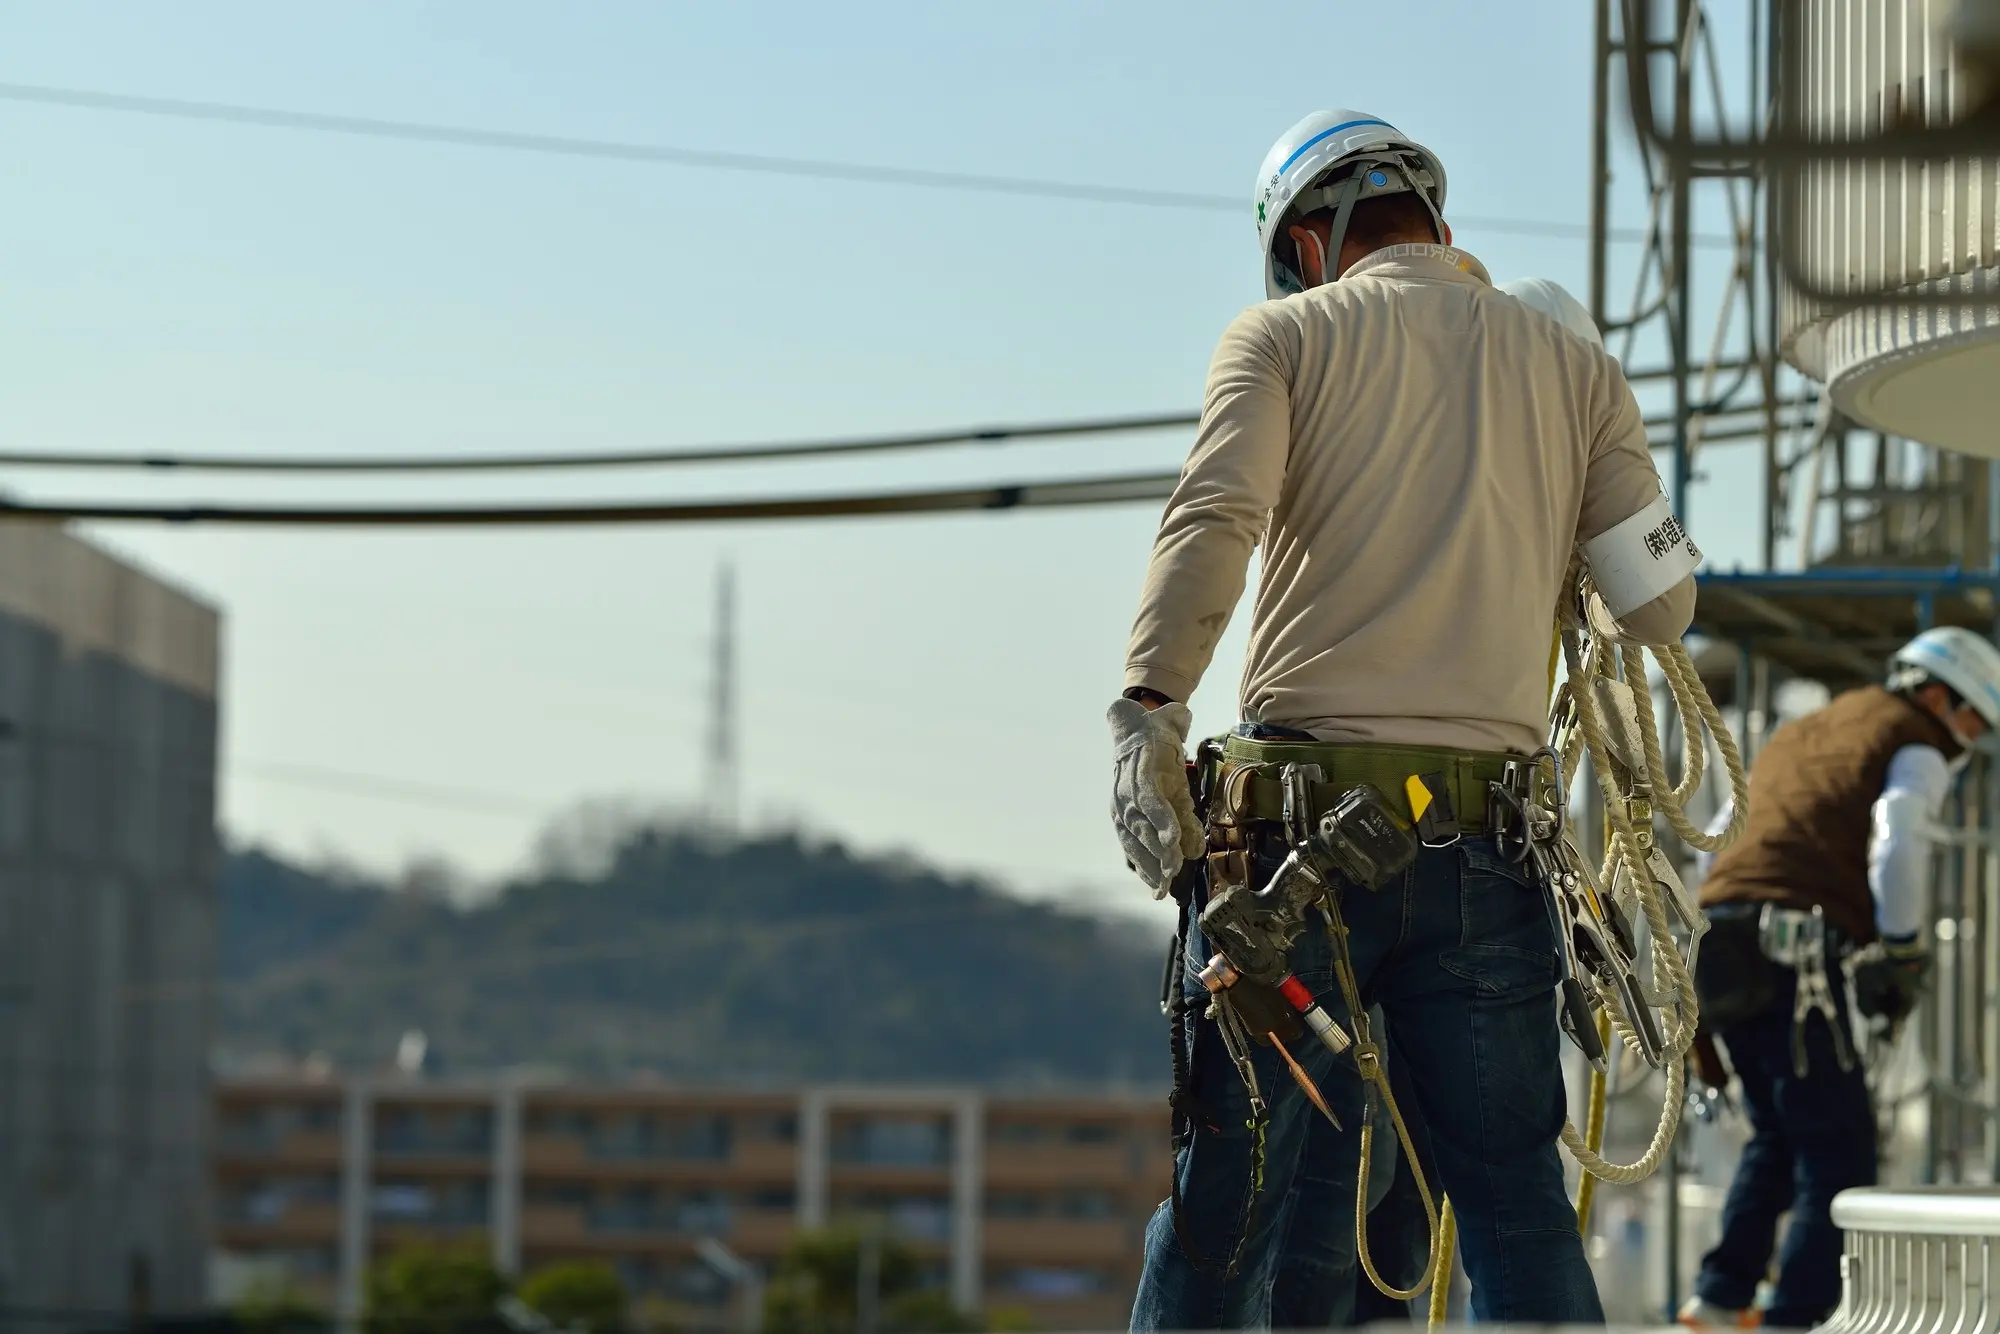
{"x": 1811, "y": 1138}
{"x": 1460, "y": 955}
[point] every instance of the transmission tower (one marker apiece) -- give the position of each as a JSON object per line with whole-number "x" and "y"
{"x": 723, "y": 777}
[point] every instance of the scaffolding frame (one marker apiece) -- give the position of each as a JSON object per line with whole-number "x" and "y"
{"x": 1865, "y": 539}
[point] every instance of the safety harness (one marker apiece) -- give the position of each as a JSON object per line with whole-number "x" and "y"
{"x": 1627, "y": 931}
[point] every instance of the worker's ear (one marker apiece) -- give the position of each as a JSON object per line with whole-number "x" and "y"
{"x": 1447, "y": 230}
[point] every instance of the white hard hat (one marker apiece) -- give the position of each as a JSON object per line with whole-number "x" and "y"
{"x": 1554, "y": 301}
{"x": 1959, "y": 658}
{"x": 1378, "y": 160}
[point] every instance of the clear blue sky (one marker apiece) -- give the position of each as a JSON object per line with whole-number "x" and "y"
{"x": 935, "y": 685}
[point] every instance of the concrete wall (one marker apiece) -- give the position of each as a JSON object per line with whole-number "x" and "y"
{"x": 108, "y": 689}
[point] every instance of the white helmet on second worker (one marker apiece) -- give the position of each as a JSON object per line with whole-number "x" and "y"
{"x": 1334, "y": 159}
{"x": 1554, "y": 301}
{"x": 1955, "y": 657}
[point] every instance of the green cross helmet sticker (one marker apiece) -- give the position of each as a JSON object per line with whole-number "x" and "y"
{"x": 1260, "y": 210}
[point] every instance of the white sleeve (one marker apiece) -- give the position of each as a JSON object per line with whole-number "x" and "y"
{"x": 1704, "y": 860}
{"x": 1900, "y": 842}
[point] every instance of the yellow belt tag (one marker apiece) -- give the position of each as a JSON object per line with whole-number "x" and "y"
{"x": 1430, "y": 808}
{"x": 1419, "y": 794}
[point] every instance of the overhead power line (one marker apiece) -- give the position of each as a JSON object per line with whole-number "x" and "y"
{"x": 1085, "y": 491}
{"x": 797, "y": 449}
{"x": 397, "y": 789}
{"x": 671, "y": 155}
{"x": 605, "y": 459}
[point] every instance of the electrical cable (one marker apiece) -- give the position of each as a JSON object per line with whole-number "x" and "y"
{"x": 1129, "y": 488}
{"x": 1656, "y": 426}
{"x": 650, "y": 458}
{"x": 670, "y": 155}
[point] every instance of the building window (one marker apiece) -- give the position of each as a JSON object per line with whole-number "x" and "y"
{"x": 1088, "y": 1204}
{"x": 1054, "y": 1283}
{"x": 434, "y": 1203}
{"x": 696, "y": 1213}
{"x": 772, "y": 1128}
{"x": 263, "y": 1127}
{"x": 913, "y": 1217}
{"x": 1092, "y": 1132}
{"x": 893, "y": 1141}
{"x": 404, "y": 1201}
{"x": 320, "y": 1118}
{"x": 271, "y": 1199}
{"x": 433, "y": 1131}
{"x": 774, "y": 1198}
{"x": 1016, "y": 1132}
{"x": 1013, "y": 1205}
{"x": 649, "y": 1136}
{"x": 563, "y": 1123}
{"x": 560, "y": 1194}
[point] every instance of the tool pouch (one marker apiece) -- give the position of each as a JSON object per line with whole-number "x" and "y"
{"x": 1265, "y": 1012}
{"x": 1733, "y": 977}
{"x": 1364, "y": 838}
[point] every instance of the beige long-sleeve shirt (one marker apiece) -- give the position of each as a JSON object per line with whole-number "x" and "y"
{"x": 1418, "y": 454}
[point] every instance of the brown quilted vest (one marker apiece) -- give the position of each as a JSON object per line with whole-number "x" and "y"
{"x": 1812, "y": 794}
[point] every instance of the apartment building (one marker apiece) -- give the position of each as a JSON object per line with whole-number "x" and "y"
{"x": 1037, "y": 1204}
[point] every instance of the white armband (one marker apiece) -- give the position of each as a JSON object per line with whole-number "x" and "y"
{"x": 1635, "y": 561}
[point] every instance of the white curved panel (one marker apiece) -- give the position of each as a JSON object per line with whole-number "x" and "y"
{"x": 1917, "y": 370}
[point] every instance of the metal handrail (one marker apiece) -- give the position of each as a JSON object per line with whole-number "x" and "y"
{"x": 1919, "y": 1260}
{"x": 1951, "y": 1211}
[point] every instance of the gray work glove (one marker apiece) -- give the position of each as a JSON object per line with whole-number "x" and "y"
{"x": 1150, "y": 802}
{"x": 1889, "y": 978}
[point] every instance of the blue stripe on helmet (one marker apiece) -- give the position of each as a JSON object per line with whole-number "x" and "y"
{"x": 1349, "y": 125}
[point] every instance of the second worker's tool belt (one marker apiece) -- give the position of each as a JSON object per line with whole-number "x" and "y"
{"x": 1245, "y": 785}
{"x": 1803, "y": 941}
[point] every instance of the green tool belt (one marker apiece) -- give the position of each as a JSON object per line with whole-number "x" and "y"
{"x": 1248, "y": 788}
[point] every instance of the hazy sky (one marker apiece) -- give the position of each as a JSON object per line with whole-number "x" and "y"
{"x": 936, "y": 685}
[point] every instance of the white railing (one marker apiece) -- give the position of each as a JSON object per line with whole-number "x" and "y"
{"x": 1921, "y": 1260}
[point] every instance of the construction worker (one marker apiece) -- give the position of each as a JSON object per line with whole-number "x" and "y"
{"x": 1418, "y": 456}
{"x": 1832, "y": 869}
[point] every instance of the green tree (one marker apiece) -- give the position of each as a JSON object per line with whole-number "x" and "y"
{"x": 278, "y": 1308}
{"x": 927, "y": 1311}
{"x": 436, "y": 1290}
{"x": 581, "y": 1294}
{"x": 817, "y": 1283}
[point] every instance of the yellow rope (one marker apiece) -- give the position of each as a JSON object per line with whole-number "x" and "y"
{"x": 1441, "y": 1276}
{"x": 1593, "y": 1129}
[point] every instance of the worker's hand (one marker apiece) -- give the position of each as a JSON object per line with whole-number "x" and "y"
{"x": 1150, "y": 802}
{"x": 1889, "y": 978}
{"x": 1708, "y": 1091}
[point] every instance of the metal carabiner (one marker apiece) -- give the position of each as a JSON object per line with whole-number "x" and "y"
{"x": 1499, "y": 794}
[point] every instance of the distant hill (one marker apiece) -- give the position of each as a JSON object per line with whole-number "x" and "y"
{"x": 765, "y": 961}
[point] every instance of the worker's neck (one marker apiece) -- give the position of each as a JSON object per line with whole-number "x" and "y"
{"x": 1353, "y": 253}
